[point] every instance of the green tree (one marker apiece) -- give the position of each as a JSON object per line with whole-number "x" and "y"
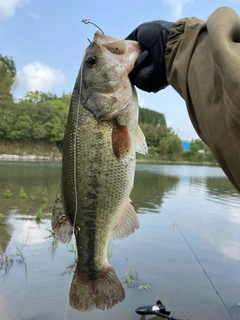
{"x": 151, "y": 117}
{"x": 21, "y": 128}
{"x": 171, "y": 147}
{"x": 66, "y": 98}
{"x": 199, "y": 152}
{"x": 39, "y": 96}
{"x": 8, "y": 74}
{"x": 153, "y": 134}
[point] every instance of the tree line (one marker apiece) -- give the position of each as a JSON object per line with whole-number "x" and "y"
{"x": 41, "y": 116}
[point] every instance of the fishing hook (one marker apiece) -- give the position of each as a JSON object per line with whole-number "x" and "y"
{"x": 86, "y": 21}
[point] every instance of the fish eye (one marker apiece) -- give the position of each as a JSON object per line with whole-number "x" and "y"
{"x": 91, "y": 60}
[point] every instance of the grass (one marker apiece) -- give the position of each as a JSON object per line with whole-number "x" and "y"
{"x": 45, "y": 195}
{"x": 30, "y": 147}
{"x": 45, "y": 192}
{"x": 72, "y": 248}
{"x": 110, "y": 250}
{"x": 144, "y": 286}
{"x": 45, "y": 199}
{"x": 22, "y": 193}
{"x": 130, "y": 278}
{"x": 7, "y": 194}
{"x": 39, "y": 212}
{"x": 51, "y": 235}
{"x": 7, "y": 260}
{"x": 1, "y": 217}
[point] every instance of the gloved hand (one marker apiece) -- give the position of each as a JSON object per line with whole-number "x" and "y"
{"x": 149, "y": 73}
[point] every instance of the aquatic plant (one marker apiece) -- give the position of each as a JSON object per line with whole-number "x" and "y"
{"x": 53, "y": 246}
{"x": 73, "y": 248}
{"x": 110, "y": 251}
{"x": 7, "y": 193}
{"x": 51, "y": 233}
{"x": 22, "y": 193}
{"x": 32, "y": 197}
{"x": 7, "y": 259}
{"x": 130, "y": 278}
{"x": 45, "y": 195}
{"x": 45, "y": 199}
{"x": 45, "y": 192}
{"x": 6, "y": 262}
{"x": 144, "y": 286}
{"x": 39, "y": 213}
{"x": 1, "y": 217}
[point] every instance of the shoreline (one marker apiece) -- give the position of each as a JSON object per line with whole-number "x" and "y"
{"x": 16, "y": 157}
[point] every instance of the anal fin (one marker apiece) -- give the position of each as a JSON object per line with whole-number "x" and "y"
{"x": 61, "y": 223}
{"x": 128, "y": 223}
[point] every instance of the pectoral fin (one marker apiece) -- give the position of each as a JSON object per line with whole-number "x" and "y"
{"x": 140, "y": 140}
{"x": 61, "y": 223}
{"x": 120, "y": 140}
{"x": 128, "y": 223}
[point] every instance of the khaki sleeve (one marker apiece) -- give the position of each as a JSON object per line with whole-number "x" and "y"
{"x": 203, "y": 66}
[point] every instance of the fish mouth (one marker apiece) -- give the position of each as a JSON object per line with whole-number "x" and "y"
{"x": 128, "y": 49}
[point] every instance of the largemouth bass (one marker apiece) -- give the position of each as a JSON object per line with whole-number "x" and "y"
{"x": 101, "y": 139}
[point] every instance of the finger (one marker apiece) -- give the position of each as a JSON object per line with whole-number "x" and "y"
{"x": 143, "y": 79}
{"x": 141, "y": 62}
{"x": 132, "y": 35}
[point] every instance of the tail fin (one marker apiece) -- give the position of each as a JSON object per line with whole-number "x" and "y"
{"x": 103, "y": 292}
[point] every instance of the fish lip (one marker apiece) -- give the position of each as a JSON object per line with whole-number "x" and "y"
{"x": 134, "y": 52}
{"x": 131, "y": 49}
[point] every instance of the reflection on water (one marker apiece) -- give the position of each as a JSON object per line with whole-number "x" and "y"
{"x": 150, "y": 189}
{"x": 200, "y": 200}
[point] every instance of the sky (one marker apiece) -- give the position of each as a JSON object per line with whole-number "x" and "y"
{"x": 47, "y": 40}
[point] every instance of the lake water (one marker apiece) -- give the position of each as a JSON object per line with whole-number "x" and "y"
{"x": 197, "y": 201}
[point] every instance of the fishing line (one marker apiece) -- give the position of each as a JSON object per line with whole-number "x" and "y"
{"x": 75, "y": 167}
{"x": 204, "y": 270}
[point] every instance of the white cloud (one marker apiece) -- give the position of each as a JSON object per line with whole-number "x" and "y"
{"x": 235, "y": 214}
{"x": 232, "y": 250}
{"x": 177, "y": 7}
{"x": 141, "y": 101}
{"x": 7, "y": 7}
{"x": 28, "y": 232}
{"x": 39, "y": 76}
{"x": 34, "y": 16}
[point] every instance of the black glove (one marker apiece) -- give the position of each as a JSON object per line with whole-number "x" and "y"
{"x": 149, "y": 73}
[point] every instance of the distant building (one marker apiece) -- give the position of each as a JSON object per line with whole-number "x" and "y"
{"x": 186, "y": 145}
